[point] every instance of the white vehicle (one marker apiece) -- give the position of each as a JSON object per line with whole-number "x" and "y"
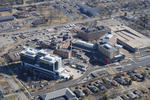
{"x": 73, "y": 66}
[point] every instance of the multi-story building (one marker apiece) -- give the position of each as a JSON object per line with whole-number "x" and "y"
{"x": 44, "y": 62}
{"x": 64, "y": 53}
{"x": 59, "y": 45}
{"x": 93, "y": 33}
{"x": 109, "y": 50}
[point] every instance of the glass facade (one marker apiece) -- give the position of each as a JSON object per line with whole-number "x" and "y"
{"x": 56, "y": 65}
{"x": 46, "y": 66}
{"x": 28, "y": 59}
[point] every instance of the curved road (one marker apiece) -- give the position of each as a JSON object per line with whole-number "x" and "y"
{"x": 128, "y": 67}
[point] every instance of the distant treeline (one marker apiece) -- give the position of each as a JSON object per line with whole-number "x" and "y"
{"x": 14, "y": 2}
{"x": 10, "y": 2}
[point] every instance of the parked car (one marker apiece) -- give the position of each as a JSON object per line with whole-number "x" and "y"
{"x": 131, "y": 95}
{"x": 86, "y": 91}
{"x": 137, "y": 92}
{"x": 125, "y": 97}
{"x": 93, "y": 88}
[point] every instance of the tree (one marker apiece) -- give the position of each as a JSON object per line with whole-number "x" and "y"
{"x": 125, "y": 14}
{"x": 130, "y": 82}
{"x": 105, "y": 97}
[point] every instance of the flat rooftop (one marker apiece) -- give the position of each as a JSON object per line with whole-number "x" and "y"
{"x": 87, "y": 30}
{"x": 130, "y": 37}
{"x": 66, "y": 92}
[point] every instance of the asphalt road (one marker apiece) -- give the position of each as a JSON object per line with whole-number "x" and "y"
{"x": 137, "y": 63}
{"x": 16, "y": 87}
{"x": 129, "y": 66}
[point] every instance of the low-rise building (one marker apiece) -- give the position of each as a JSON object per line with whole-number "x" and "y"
{"x": 130, "y": 39}
{"x": 84, "y": 45}
{"x": 79, "y": 93}
{"x": 14, "y": 57}
{"x": 6, "y": 18}
{"x": 3, "y": 9}
{"x": 65, "y": 93}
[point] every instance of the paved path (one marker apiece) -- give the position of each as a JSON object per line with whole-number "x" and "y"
{"x": 15, "y": 87}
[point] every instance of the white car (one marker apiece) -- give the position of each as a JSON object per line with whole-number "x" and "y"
{"x": 73, "y": 66}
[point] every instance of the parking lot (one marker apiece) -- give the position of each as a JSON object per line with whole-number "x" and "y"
{"x": 74, "y": 72}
